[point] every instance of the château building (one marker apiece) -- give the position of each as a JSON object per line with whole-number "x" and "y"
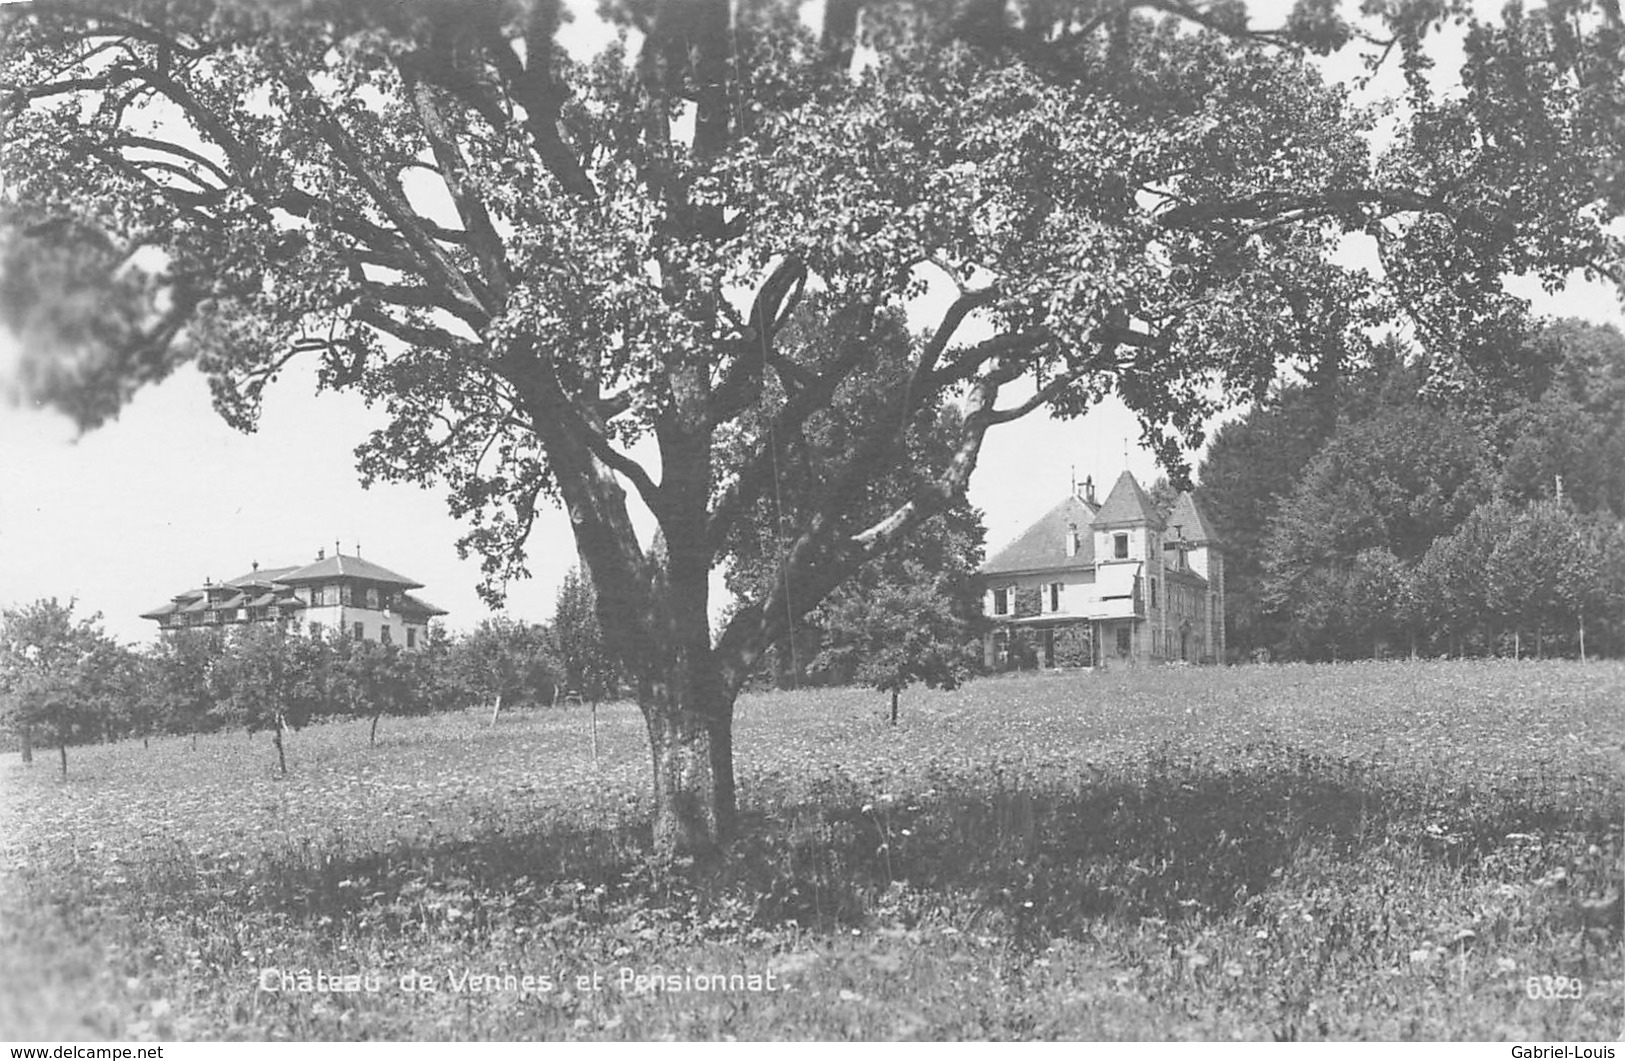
{"x": 1095, "y": 582}
{"x": 334, "y": 593}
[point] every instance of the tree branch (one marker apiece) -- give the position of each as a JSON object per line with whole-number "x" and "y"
{"x": 482, "y": 235}
{"x": 534, "y": 87}
{"x": 440, "y": 269}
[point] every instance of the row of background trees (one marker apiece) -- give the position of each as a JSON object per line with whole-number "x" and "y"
{"x": 64, "y": 681}
{"x": 1378, "y": 506}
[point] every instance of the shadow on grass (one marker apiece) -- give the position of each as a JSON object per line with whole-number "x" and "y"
{"x": 1183, "y": 837}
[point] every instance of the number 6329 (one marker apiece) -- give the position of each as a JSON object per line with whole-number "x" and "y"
{"x": 1552, "y": 987}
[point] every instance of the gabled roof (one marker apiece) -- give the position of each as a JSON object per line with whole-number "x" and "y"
{"x": 338, "y": 566}
{"x": 1127, "y": 503}
{"x": 1187, "y": 515}
{"x": 1042, "y": 546}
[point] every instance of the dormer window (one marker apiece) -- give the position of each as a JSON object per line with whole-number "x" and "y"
{"x": 1120, "y": 546}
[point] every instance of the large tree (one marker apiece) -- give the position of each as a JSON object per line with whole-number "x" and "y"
{"x": 536, "y": 264}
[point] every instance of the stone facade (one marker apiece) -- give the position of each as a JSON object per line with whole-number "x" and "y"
{"x": 1091, "y": 583}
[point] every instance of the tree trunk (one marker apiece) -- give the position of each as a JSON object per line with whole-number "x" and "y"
{"x": 281, "y": 756}
{"x": 62, "y": 747}
{"x": 894, "y": 694}
{"x": 595, "y": 734}
{"x": 691, "y": 740}
{"x": 496, "y": 708}
{"x": 1582, "y": 637}
{"x": 194, "y": 740}
{"x": 1517, "y": 642}
{"x": 28, "y": 744}
{"x": 373, "y": 736}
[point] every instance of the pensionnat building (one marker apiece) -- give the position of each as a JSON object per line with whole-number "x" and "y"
{"x": 335, "y": 593}
{"x": 1090, "y": 583}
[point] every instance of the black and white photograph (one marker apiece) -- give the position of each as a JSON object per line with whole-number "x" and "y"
{"x": 812, "y": 520}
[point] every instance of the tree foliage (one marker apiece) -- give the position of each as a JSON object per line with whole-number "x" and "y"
{"x": 914, "y": 616}
{"x": 586, "y": 662}
{"x": 1394, "y": 483}
{"x": 176, "y": 684}
{"x": 369, "y": 679}
{"x": 270, "y": 679}
{"x": 503, "y": 661}
{"x": 58, "y": 676}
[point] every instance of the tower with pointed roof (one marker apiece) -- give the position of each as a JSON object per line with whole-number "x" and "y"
{"x": 1096, "y": 582}
{"x": 333, "y": 594}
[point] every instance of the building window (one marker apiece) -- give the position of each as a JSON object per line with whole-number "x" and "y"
{"x": 384, "y": 634}
{"x": 346, "y": 594}
{"x": 1055, "y": 596}
{"x": 1124, "y": 640}
{"x": 360, "y": 632}
{"x": 1120, "y": 546}
{"x": 372, "y": 597}
{"x": 411, "y": 637}
{"x": 1154, "y": 593}
{"x": 315, "y": 629}
{"x": 1001, "y": 602}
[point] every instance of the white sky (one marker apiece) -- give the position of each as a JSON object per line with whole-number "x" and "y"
{"x": 167, "y": 495}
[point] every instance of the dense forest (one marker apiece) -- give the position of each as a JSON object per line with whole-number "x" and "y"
{"x": 1368, "y": 513}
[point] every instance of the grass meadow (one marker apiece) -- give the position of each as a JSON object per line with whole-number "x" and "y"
{"x": 1366, "y": 851}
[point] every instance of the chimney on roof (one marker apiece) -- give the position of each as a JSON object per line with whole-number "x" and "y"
{"x": 206, "y": 581}
{"x": 358, "y": 548}
{"x": 255, "y": 566}
{"x": 321, "y": 553}
{"x": 1089, "y": 489}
